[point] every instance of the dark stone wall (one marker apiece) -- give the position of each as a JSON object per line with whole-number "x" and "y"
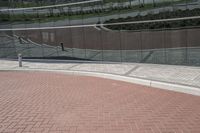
{"x": 91, "y": 38}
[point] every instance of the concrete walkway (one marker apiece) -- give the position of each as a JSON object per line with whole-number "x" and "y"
{"x": 177, "y": 78}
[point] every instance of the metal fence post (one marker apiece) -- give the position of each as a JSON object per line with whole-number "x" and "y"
{"x": 62, "y": 46}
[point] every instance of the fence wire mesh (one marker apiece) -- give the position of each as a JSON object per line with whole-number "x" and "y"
{"x": 164, "y": 32}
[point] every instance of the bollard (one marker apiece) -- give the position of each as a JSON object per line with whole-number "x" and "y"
{"x": 62, "y": 46}
{"x": 20, "y": 60}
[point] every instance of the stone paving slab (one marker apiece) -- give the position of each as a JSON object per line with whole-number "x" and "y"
{"x": 119, "y": 69}
{"x": 6, "y": 64}
{"x": 52, "y": 66}
{"x": 49, "y": 102}
{"x": 173, "y": 74}
{"x": 183, "y": 75}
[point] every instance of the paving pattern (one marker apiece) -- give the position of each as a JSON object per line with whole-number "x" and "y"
{"x": 55, "y": 102}
{"x": 184, "y": 75}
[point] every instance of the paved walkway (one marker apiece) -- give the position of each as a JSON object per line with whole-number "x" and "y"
{"x": 55, "y": 102}
{"x": 182, "y": 75}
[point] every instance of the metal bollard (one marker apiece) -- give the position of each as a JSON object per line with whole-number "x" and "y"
{"x": 20, "y": 60}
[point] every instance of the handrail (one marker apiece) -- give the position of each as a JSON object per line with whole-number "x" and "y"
{"x": 50, "y": 6}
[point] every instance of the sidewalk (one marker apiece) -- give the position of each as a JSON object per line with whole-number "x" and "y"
{"x": 170, "y": 75}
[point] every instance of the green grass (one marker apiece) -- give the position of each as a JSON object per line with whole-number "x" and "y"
{"x": 20, "y": 4}
{"x": 34, "y": 4}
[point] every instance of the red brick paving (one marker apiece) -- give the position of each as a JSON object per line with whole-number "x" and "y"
{"x": 52, "y": 102}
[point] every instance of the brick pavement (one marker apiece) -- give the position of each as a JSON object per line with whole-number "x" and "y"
{"x": 53, "y": 102}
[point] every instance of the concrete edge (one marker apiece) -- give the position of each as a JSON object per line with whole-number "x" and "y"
{"x": 151, "y": 83}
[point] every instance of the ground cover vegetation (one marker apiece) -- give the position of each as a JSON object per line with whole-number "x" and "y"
{"x": 36, "y": 16}
{"x": 157, "y": 25}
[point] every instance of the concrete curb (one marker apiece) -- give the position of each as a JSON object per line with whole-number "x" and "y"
{"x": 146, "y": 82}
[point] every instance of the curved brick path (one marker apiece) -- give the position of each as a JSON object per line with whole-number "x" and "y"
{"x": 50, "y": 102}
